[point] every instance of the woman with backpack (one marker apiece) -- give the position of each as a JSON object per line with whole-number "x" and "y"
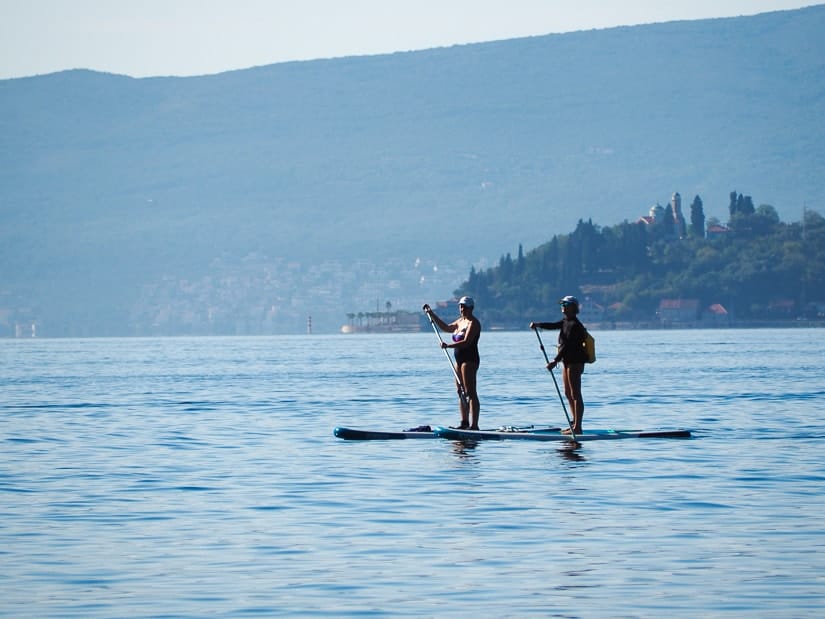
{"x": 571, "y": 351}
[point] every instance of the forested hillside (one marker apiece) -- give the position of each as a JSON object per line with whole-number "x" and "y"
{"x": 756, "y": 267}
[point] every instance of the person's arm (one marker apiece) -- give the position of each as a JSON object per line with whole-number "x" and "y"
{"x": 470, "y": 335}
{"x": 573, "y": 337}
{"x": 546, "y": 325}
{"x": 449, "y": 328}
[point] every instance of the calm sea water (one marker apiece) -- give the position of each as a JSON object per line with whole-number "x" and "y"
{"x": 200, "y": 478}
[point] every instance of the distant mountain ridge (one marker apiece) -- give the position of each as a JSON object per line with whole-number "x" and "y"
{"x": 112, "y": 186}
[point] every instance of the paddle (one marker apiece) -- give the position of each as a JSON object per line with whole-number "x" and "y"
{"x": 561, "y": 399}
{"x": 461, "y": 393}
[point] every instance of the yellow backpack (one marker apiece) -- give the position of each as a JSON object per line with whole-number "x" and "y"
{"x": 589, "y": 347}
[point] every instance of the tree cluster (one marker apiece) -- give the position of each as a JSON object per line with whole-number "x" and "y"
{"x": 756, "y": 267}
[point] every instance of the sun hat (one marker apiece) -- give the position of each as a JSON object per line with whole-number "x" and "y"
{"x": 467, "y": 301}
{"x": 569, "y": 300}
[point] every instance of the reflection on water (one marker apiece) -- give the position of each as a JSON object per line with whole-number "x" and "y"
{"x": 464, "y": 448}
{"x": 571, "y": 451}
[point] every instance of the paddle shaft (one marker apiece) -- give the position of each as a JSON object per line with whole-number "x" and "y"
{"x": 462, "y": 394}
{"x": 555, "y": 382}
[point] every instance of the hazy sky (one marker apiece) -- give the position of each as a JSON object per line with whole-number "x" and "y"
{"x": 193, "y": 37}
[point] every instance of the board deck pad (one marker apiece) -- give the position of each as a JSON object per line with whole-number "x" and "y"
{"x": 359, "y": 434}
{"x": 425, "y": 431}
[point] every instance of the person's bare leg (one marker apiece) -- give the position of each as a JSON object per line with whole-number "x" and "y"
{"x": 468, "y": 376}
{"x": 463, "y": 411}
{"x": 573, "y": 391}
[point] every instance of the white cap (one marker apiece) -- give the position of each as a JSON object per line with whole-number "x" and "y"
{"x": 468, "y": 301}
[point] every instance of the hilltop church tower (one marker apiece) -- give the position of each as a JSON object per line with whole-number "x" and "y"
{"x": 679, "y": 225}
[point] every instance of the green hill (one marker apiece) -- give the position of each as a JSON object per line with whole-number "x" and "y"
{"x": 753, "y": 270}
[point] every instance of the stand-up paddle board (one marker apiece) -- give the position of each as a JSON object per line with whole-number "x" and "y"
{"x": 554, "y": 434}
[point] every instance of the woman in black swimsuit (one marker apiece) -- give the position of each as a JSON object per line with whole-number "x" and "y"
{"x": 466, "y": 330}
{"x": 571, "y": 352}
